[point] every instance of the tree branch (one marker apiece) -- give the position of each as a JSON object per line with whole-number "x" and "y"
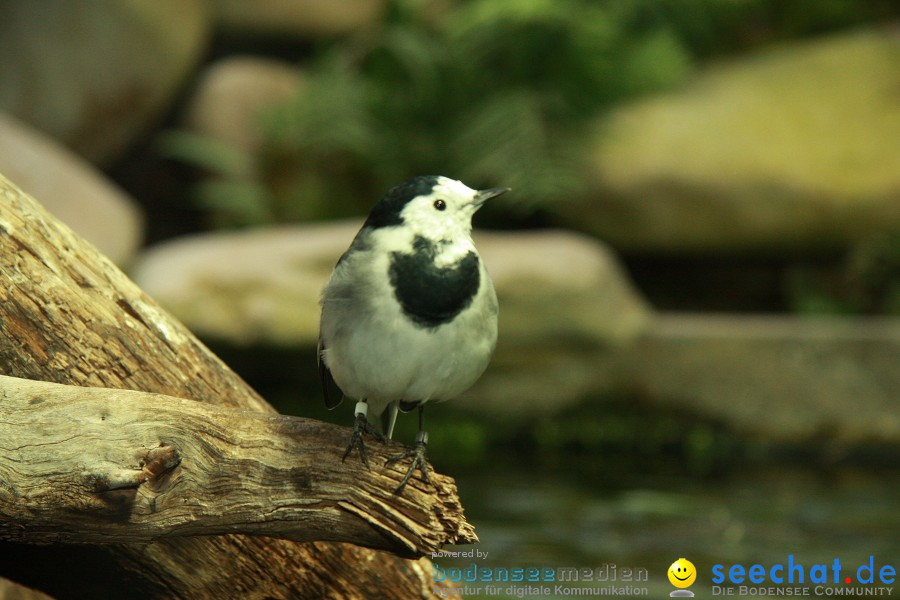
{"x": 101, "y": 465}
{"x": 68, "y": 315}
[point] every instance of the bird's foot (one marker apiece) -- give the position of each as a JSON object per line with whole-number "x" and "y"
{"x": 360, "y": 427}
{"x": 417, "y": 454}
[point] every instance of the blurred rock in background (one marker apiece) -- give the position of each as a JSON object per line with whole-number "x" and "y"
{"x": 787, "y": 380}
{"x": 568, "y": 313}
{"x": 96, "y": 75}
{"x": 257, "y": 287}
{"x": 792, "y": 149}
{"x": 231, "y": 96}
{"x": 72, "y": 189}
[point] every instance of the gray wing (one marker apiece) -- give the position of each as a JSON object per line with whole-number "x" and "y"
{"x": 330, "y": 390}
{"x": 340, "y": 290}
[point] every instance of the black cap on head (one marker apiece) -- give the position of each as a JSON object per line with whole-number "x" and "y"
{"x": 387, "y": 212}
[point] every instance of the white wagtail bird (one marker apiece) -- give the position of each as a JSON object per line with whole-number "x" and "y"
{"x": 409, "y": 315}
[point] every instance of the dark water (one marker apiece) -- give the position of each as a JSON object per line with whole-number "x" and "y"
{"x": 528, "y": 518}
{"x": 635, "y": 507}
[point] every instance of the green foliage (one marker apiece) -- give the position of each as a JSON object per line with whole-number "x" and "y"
{"x": 230, "y": 194}
{"x": 491, "y": 92}
{"x": 494, "y": 92}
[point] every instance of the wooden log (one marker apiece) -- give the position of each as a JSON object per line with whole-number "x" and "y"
{"x": 100, "y": 465}
{"x": 68, "y": 315}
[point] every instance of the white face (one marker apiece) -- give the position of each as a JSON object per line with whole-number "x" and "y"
{"x": 445, "y": 213}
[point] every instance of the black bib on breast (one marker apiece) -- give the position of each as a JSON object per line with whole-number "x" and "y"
{"x": 430, "y": 295}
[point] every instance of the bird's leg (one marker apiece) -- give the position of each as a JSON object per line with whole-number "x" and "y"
{"x": 416, "y": 453}
{"x": 361, "y": 426}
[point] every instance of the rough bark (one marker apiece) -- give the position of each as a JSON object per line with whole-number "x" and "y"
{"x": 100, "y": 465}
{"x": 68, "y": 315}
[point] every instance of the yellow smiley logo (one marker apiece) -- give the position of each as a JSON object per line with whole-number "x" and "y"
{"x": 682, "y": 573}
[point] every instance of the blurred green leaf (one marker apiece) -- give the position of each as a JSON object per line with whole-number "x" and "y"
{"x": 205, "y": 153}
{"x": 235, "y": 203}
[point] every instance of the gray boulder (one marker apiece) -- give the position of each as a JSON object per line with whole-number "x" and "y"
{"x": 231, "y": 95}
{"x": 567, "y": 313}
{"x": 245, "y": 288}
{"x": 795, "y": 148}
{"x": 94, "y": 75}
{"x": 72, "y": 189}
{"x": 780, "y": 379}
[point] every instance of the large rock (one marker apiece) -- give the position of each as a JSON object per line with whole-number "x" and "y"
{"x": 297, "y": 18}
{"x": 96, "y": 74}
{"x": 257, "y": 287}
{"x": 233, "y": 93}
{"x": 780, "y": 379}
{"x": 566, "y": 306}
{"x": 795, "y": 148}
{"x": 72, "y": 189}
{"x": 567, "y": 313}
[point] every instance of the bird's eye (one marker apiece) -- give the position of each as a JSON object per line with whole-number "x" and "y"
{"x": 440, "y": 204}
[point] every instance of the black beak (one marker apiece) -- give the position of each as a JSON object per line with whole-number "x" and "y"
{"x": 483, "y": 196}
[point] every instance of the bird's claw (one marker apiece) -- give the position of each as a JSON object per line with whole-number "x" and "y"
{"x": 417, "y": 454}
{"x": 360, "y": 427}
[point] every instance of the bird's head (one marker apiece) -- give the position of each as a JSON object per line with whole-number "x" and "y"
{"x": 431, "y": 206}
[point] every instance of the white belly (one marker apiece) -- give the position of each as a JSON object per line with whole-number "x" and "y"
{"x": 381, "y": 356}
